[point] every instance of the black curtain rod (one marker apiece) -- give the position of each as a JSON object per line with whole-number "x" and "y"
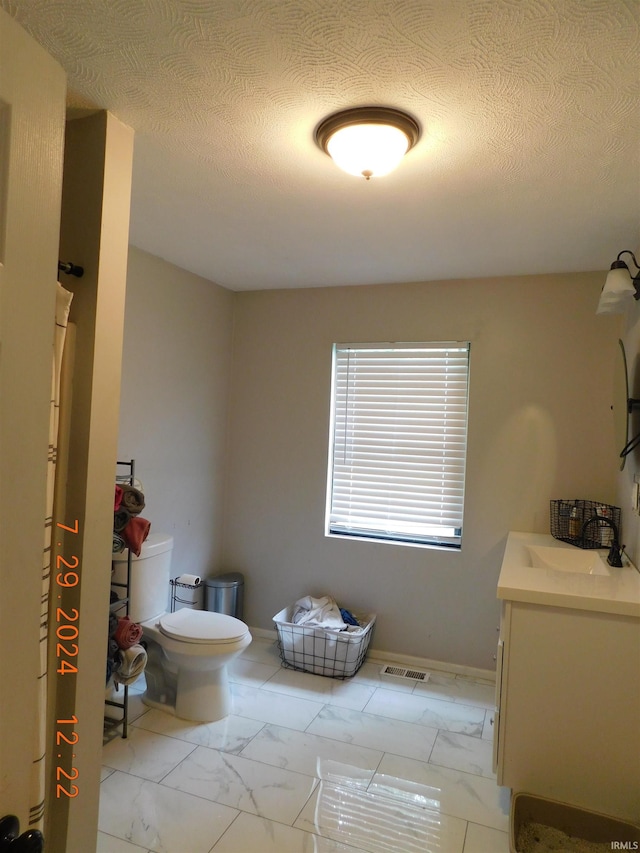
{"x": 70, "y": 269}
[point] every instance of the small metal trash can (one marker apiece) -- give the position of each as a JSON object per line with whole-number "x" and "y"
{"x": 225, "y": 594}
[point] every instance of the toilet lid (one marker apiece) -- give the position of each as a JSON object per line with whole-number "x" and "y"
{"x": 201, "y": 626}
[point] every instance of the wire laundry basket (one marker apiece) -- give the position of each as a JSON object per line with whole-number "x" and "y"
{"x": 569, "y": 516}
{"x": 321, "y": 651}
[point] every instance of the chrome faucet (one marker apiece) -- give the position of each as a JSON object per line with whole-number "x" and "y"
{"x": 614, "y": 557}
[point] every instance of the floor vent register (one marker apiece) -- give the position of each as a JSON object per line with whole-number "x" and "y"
{"x": 402, "y": 672}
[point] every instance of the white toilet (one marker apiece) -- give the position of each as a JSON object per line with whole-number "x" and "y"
{"x": 188, "y": 651}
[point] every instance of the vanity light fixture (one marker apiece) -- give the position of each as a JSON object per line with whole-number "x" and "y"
{"x": 620, "y": 287}
{"x": 367, "y": 141}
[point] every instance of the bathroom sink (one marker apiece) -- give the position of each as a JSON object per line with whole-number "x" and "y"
{"x": 567, "y": 560}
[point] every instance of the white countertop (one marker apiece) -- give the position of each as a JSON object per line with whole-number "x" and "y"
{"x": 618, "y": 592}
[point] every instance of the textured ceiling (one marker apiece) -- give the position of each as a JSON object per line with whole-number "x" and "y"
{"x": 528, "y": 160}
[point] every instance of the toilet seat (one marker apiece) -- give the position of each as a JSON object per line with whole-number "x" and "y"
{"x": 202, "y": 626}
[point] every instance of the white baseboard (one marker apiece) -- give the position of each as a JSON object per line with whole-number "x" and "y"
{"x": 380, "y": 656}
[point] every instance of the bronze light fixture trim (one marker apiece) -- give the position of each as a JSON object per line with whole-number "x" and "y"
{"x": 385, "y": 120}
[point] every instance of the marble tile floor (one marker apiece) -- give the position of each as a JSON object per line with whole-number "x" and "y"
{"x": 307, "y": 764}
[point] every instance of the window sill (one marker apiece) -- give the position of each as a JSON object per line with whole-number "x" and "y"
{"x": 431, "y": 546}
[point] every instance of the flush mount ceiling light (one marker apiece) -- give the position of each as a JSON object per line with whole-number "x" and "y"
{"x": 367, "y": 141}
{"x": 620, "y": 287}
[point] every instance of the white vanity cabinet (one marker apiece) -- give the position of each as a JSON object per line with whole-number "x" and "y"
{"x": 567, "y": 723}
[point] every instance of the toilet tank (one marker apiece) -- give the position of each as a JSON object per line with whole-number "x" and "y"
{"x": 150, "y": 574}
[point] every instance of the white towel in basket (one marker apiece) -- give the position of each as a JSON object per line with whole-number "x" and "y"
{"x": 318, "y": 613}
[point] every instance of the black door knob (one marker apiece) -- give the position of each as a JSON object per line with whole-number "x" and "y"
{"x": 9, "y": 830}
{"x": 31, "y": 841}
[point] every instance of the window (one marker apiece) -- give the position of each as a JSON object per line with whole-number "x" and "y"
{"x": 398, "y": 442}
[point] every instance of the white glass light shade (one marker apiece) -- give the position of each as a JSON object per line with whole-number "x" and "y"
{"x": 368, "y": 149}
{"x": 619, "y": 281}
{"x": 367, "y": 141}
{"x": 612, "y": 306}
{"x": 618, "y": 292}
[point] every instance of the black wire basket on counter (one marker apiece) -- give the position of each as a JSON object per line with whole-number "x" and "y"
{"x": 568, "y": 519}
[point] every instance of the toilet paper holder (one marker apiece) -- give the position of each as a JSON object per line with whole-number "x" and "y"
{"x": 186, "y": 594}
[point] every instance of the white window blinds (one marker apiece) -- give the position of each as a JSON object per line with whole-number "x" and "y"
{"x": 398, "y": 444}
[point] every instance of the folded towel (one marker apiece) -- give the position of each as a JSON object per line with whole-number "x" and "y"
{"x": 135, "y": 533}
{"x": 132, "y": 666}
{"x": 117, "y": 500}
{"x": 113, "y": 624}
{"x": 127, "y": 633}
{"x": 112, "y": 648}
{"x": 132, "y": 499}
{"x": 118, "y": 543}
{"x": 120, "y": 519}
{"x": 318, "y": 613}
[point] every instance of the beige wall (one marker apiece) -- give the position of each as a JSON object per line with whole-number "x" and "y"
{"x": 540, "y": 427}
{"x": 174, "y": 403}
